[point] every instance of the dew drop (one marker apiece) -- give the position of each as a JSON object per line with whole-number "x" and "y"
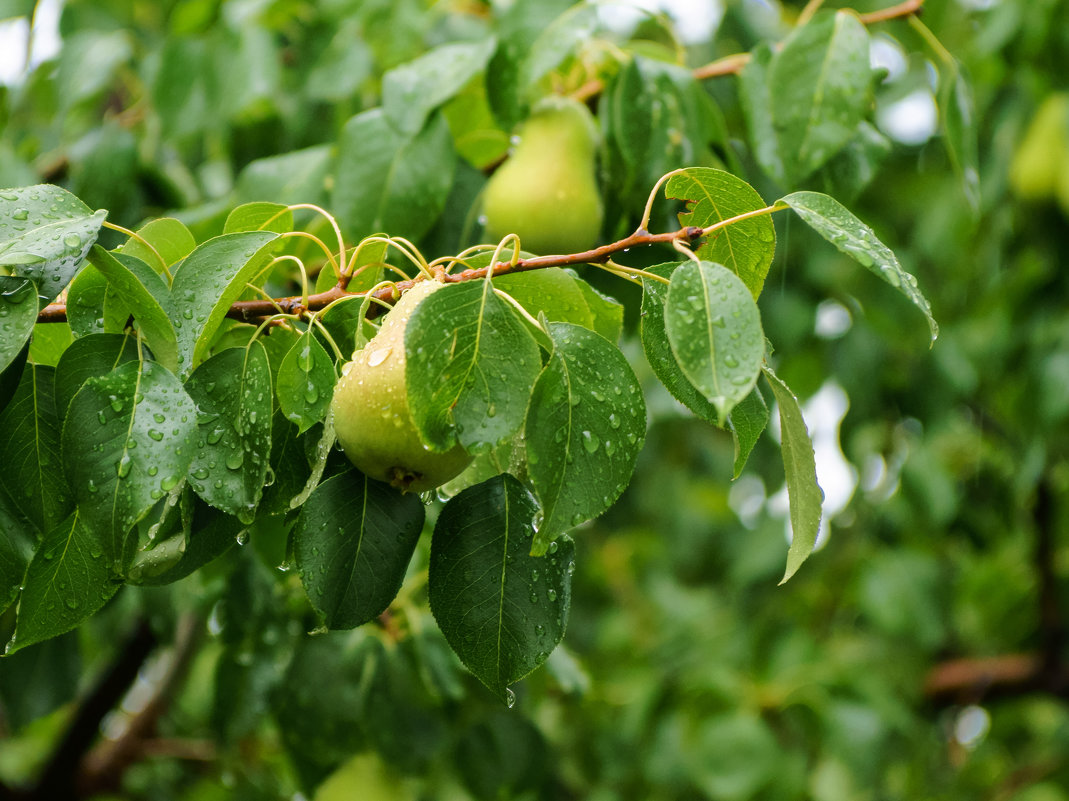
{"x": 590, "y": 441}
{"x": 124, "y": 465}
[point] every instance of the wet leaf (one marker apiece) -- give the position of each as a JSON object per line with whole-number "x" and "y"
{"x": 306, "y": 381}
{"x": 470, "y": 365}
{"x": 232, "y": 391}
{"x": 168, "y": 242}
{"x": 714, "y": 328}
{"x": 747, "y": 420}
{"x": 18, "y": 314}
{"x": 837, "y": 224}
{"x": 127, "y": 441}
{"x": 501, "y": 609}
{"x": 352, "y": 543}
{"x": 584, "y": 429}
{"x": 92, "y": 355}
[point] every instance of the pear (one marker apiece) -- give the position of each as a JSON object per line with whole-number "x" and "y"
{"x": 546, "y": 191}
{"x": 371, "y": 416}
{"x": 1042, "y": 157}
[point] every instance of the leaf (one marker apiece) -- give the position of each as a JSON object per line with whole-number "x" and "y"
{"x": 553, "y": 292}
{"x": 299, "y": 176}
{"x": 92, "y": 355}
{"x": 799, "y": 465}
{"x": 412, "y": 91}
{"x": 18, "y": 314}
{"x": 747, "y": 420}
{"x": 838, "y": 225}
{"x": 127, "y": 440}
{"x": 658, "y": 350}
{"x": 68, "y": 580}
{"x": 48, "y": 343}
{"x": 960, "y": 135}
{"x": 560, "y": 39}
{"x": 45, "y": 234}
{"x": 259, "y": 217}
{"x": 15, "y": 553}
{"x": 210, "y": 279}
{"x": 819, "y": 89}
{"x": 501, "y": 609}
{"x": 171, "y": 242}
{"x": 306, "y": 381}
{"x": 211, "y": 534}
{"x": 746, "y": 247}
{"x": 607, "y": 313}
{"x": 85, "y": 302}
{"x": 352, "y": 544}
{"x": 147, "y": 297}
{"x": 470, "y": 365}
{"x": 585, "y": 426}
{"x": 391, "y": 182}
{"x": 232, "y": 392}
{"x": 30, "y": 450}
{"x": 756, "y": 100}
{"x": 714, "y": 329}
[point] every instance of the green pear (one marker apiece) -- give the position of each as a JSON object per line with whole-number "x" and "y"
{"x": 1042, "y": 157}
{"x": 546, "y": 191}
{"x": 371, "y": 416}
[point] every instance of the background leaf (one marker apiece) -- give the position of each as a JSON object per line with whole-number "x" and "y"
{"x": 838, "y": 225}
{"x": 18, "y": 314}
{"x": 92, "y": 355}
{"x": 747, "y": 421}
{"x": 68, "y": 580}
{"x": 171, "y": 242}
{"x": 501, "y": 609}
{"x": 714, "y": 329}
{"x": 470, "y": 366}
{"x": 585, "y": 426}
{"x": 45, "y": 234}
{"x": 352, "y": 544}
{"x": 232, "y": 393}
{"x": 30, "y": 450}
{"x": 800, "y": 468}
{"x": 127, "y": 440}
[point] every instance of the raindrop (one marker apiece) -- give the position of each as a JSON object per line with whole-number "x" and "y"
{"x": 551, "y": 594}
{"x": 72, "y": 241}
{"x": 590, "y": 441}
{"x": 510, "y": 698}
{"x": 156, "y": 435}
{"x": 153, "y": 470}
{"x": 20, "y": 214}
{"x": 614, "y": 421}
{"x": 214, "y": 436}
{"x": 200, "y": 473}
{"x": 243, "y": 537}
{"x": 235, "y": 458}
{"x": 123, "y": 467}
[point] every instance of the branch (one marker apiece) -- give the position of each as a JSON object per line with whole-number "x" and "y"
{"x": 58, "y": 779}
{"x": 251, "y": 310}
{"x": 968, "y": 680}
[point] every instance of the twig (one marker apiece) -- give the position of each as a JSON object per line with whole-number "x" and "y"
{"x": 1051, "y": 627}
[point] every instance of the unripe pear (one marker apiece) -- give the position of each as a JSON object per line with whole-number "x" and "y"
{"x": 1042, "y": 156}
{"x": 371, "y": 415}
{"x": 546, "y": 192}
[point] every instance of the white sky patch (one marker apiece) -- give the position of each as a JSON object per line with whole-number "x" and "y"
{"x": 823, "y": 414}
{"x": 44, "y": 42}
{"x": 888, "y": 54}
{"x": 911, "y": 120}
{"x": 833, "y": 320}
{"x": 694, "y": 21}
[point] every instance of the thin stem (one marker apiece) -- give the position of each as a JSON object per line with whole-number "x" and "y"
{"x": 777, "y": 206}
{"x": 906, "y": 9}
{"x": 807, "y": 13}
{"x": 317, "y": 240}
{"x": 329, "y": 218}
{"x": 314, "y": 320}
{"x": 612, "y": 266}
{"x": 143, "y": 241}
{"x": 519, "y": 307}
{"x": 646, "y": 212}
{"x": 933, "y": 42}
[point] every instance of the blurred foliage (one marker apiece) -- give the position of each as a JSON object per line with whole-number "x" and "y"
{"x": 685, "y": 673}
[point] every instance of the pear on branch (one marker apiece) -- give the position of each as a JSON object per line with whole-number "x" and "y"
{"x": 371, "y": 415}
{"x": 546, "y": 192}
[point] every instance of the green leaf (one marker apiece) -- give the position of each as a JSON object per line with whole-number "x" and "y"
{"x": 959, "y": 131}
{"x": 585, "y": 426}
{"x": 658, "y": 350}
{"x": 747, "y": 420}
{"x": 30, "y": 450}
{"x": 170, "y": 242}
{"x": 391, "y": 182}
{"x": 560, "y": 39}
{"x": 232, "y": 392}
{"x": 819, "y": 89}
{"x": 607, "y": 313}
{"x": 85, "y": 302}
{"x": 838, "y": 225}
{"x": 45, "y": 234}
{"x": 554, "y": 292}
{"x": 501, "y": 609}
{"x": 127, "y": 440}
{"x": 18, "y": 314}
{"x": 299, "y": 176}
{"x": 259, "y": 217}
{"x": 352, "y": 544}
{"x": 68, "y": 580}
{"x": 412, "y": 91}
{"x": 210, "y": 279}
{"x": 147, "y": 297}
{"x": 799, "y": 465}
{"x": 48, "y": 343}
{"x": 755, "y": 97}
{"x": 306, "y": 381}
{"x": 15, "y": 553}
{"x": 367, "y": 270}
{"x": 92, "y": 355}
{"x": 471, "y": 363}
{"x": 714, "y": 329}
{"x": 211, "y": 534}
{"x": 746, "y": 247}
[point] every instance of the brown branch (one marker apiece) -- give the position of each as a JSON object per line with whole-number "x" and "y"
{"x": 894, "y": 12}
{"x": 969, "y": 680}
{"x": 103, "y": 767}
{"x": 252, "y": 310}
{"x": 1051, "y": 626}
